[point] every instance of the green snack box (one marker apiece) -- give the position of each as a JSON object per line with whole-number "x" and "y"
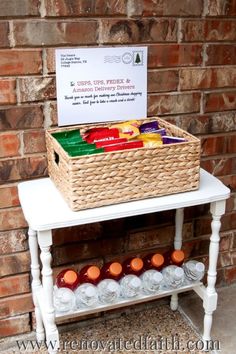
{"x": 81, "y": 152}
{"x": 71, "y": 135}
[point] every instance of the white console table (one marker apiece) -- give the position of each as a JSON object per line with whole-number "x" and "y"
{"x": 44, "y": 209}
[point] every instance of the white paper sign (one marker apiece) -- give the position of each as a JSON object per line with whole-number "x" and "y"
{"x": 101, "y": 84}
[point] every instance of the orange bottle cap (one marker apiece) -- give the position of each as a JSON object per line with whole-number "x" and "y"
{"x": 115, "y": 268}
{"x": 93, "y": 272}
{"x": 70, "y": 277}
{"x": 177, "y": 256}
{"x": 136, "y": 264}
{"x": 157, "y": 260}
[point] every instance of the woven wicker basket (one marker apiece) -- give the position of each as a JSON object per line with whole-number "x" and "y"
{"x": 108, "y": 178}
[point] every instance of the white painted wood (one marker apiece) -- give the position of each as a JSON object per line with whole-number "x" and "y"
{"x": 179, "y": 220}
{"x": 45, "y": 209}
{"x": 36, "y": 282}
{"x": 52, "y": 336}
{"x": 210, "y": 300}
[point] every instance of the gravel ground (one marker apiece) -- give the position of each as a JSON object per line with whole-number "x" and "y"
{"x": 152, "y": 330}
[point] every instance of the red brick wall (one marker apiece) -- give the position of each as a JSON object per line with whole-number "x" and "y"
{"x": 191, "y": 82}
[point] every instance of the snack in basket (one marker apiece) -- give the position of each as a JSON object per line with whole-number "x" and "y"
{"x": 100, "y": 134}
{"x": 127, "y": 130}
{"x": 149, "y": 127}
{"x": 150, "y": 140}
{"x": 172, "y": 140}
{"x": 124, "y": 146}
{"x": 102, "y": 143}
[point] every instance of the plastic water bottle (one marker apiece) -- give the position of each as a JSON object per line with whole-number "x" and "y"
{"x": 86, "y": 295}
{"x": 173, "y": 276}
{"x": 131, "y": 286}
{"x": 64, "y": 299}
{"x": 108, "y": 290}
{"x": 151, "y": 281}
{"x": 194, "y": 270}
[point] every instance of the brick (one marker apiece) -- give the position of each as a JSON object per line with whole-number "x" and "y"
{"x": 165, "y": 8}
{"x": 34, "y": 141}
{"x": 50, "y": 60}
{"x": 85, "y": 8}
{"x": 87, "y": 250}
{"x": 155, "y": 237}
{"x": 168, "y": 55}
{"x": 14, "y": 285}
{"x": 219, "y": 166}
{"x": 25, "y": 168}
{"x": 15, "y": 263}
{"x": 53, "y": 113}
{"x": 13, "y": 241}
{"x": 20, "y": 62}
{"x": 37, "y": 89}
{"x": 11, "y": 8}
{"x": 23, "y": 117}
{"x": 221, "y": 54}
{"x": 228, "y": 221}
{"x": 225, "y": 241}
{"x": 231, "y": 203}
{"x": 220, "y": 101}
{"x": 196, "y": 248}
{"x": 207, "y": 123}
{"x": 224, "y": 260}
{"x": 7, "y": 91}
{"x": 142, "y": 31}
{"x": 9, "y": 197}
{"x": 9, "y": 144}
{"x": 11, "y": 219}
{"x": 230, "y": 274}
{"x": 173, "y": 104}
{"x": 191, "y": 79}
{"x": 161, "y": 81}
{"x": 16, "y": 305}
{"x": 221, "y": 8}
{"x": 44, "y": 33}
{"x": 208, "y": 30}
{"x": 213, "y": 145}
{"x": 4, "y": 29}
{"x": 229, "y": 181}
{"x": 78, "y": 233}
{"x": 15, "y": 325}
{"x": 231, "y": 144}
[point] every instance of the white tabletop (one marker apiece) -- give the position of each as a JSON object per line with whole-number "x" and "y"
{"x": 45, "y": 209}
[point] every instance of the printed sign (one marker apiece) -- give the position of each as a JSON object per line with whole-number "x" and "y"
{"x": 101, "y": 84}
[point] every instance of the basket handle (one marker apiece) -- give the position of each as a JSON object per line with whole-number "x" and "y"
{"x": 56, "y": 158}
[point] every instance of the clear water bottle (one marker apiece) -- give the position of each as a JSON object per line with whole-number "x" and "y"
{"x": 194, "y": 270}
{"x": 86, "y": 295}
{"x": 151, "y": 280}
{"x": 64, "y": 299}
{"x": 131, "y": 286}
{"x": 108, "y": 290}
{"x": 173, "y": 276}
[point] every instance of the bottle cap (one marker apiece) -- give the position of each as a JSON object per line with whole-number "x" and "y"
{"x": 93, "y": 272}
{"x": 200, "y": 267}
{"x": 157, "y": 277}
{"x": 135, "y": 283}
{"x": 115, "y": 268}
{"x": 136, "y": 264}
{"x": 70, "y": 277}
{"x": 113, "y": 287}
{"x": 157, "y": 260}
{"x": 90, "y": 291}
{"x": 178, "y": 273}
{"x": 177, "y": 256}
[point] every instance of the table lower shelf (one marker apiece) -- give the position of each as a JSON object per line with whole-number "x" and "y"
{"x": 121, "y": 303}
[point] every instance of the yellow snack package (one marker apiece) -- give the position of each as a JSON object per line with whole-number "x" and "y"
{"x": 128, "y": 130}
{"x": 150, "y": 140}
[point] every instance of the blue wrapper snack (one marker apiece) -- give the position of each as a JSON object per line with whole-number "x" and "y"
{"x": 148, "y": 127}
{"x": 172, "y": 140}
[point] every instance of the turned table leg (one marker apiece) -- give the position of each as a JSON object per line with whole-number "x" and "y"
{"x": 210, "y": 299}
{"x": 179, "y": 219}
{"x": 52, "y": 336}
{"x": 36, "y": 282}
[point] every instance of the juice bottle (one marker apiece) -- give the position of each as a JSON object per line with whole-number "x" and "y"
{"x": 111, "y": 270}
{"x": 89, "y": 274}
{"x": 175, "y": 257}
{"x": 153, "y": 261}
{"x": 67, "y": 278}
{"x": 133, "y": 266}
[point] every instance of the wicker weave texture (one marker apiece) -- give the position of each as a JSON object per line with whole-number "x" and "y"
{"x": 115, "y": 177}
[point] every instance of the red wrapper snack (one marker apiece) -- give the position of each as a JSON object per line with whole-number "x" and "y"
{"x": 124, "y": 146}
{"x": 103, "y": 143}
{"x": 102, "y": 134}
